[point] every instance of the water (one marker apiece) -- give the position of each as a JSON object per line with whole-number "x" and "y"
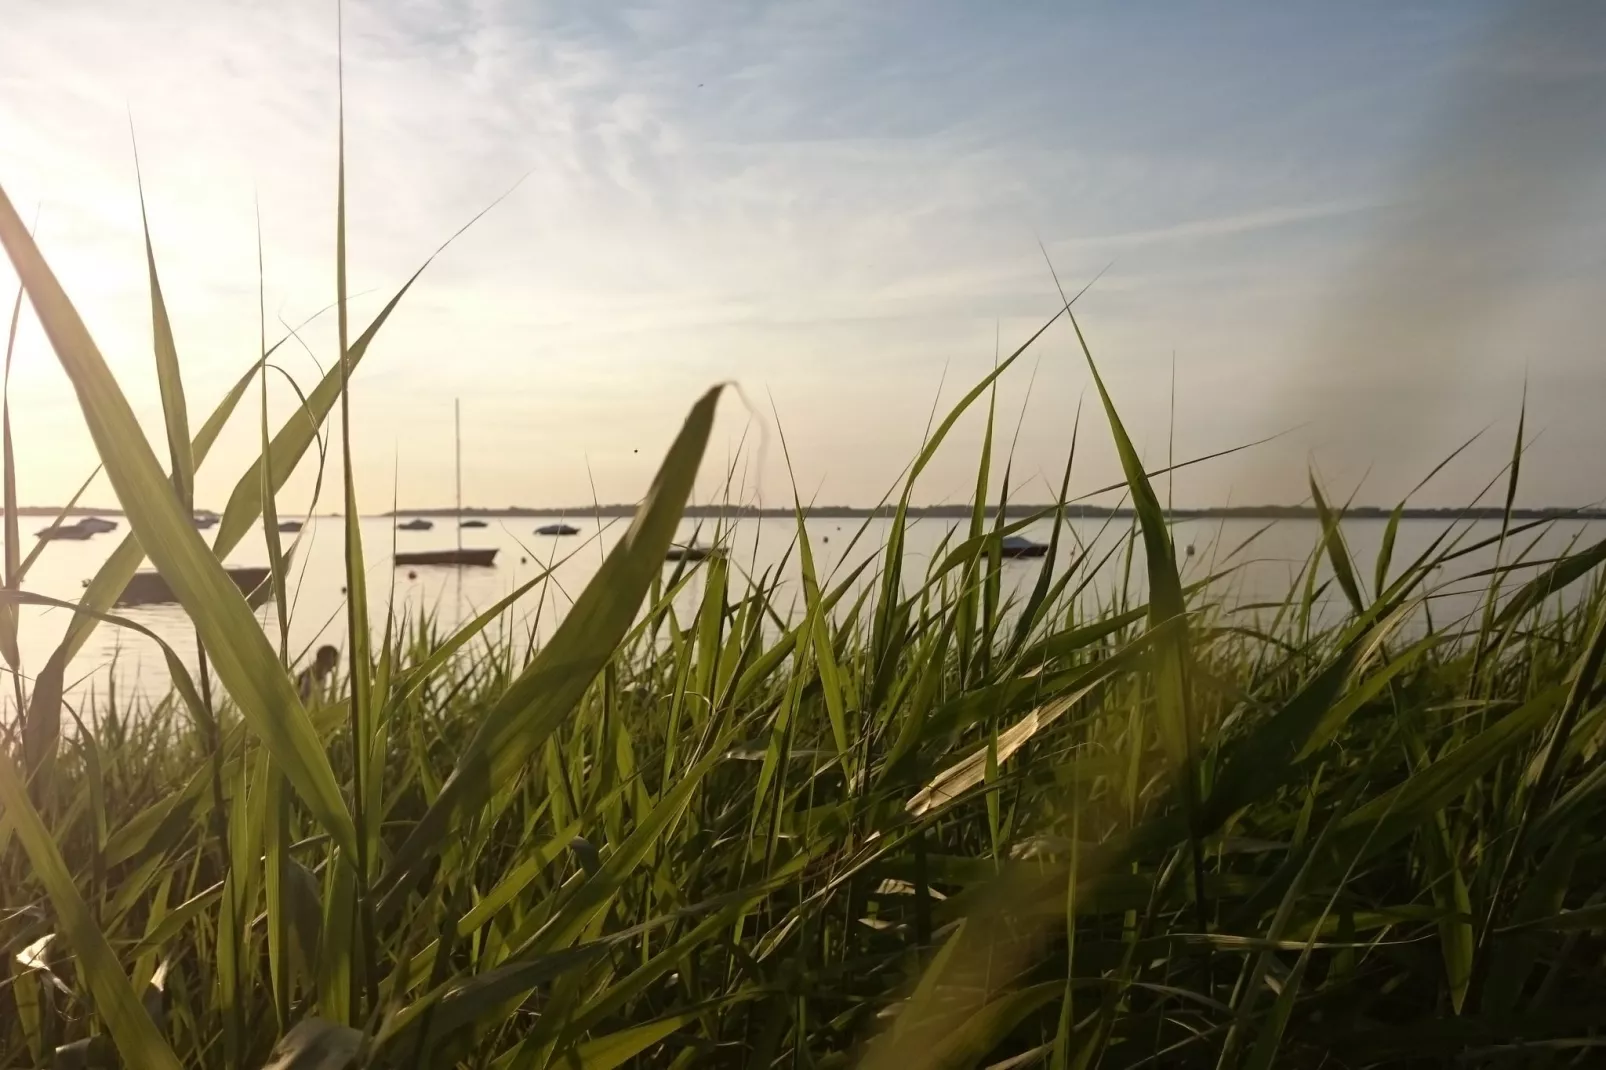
{"x": 1267, "y": 569}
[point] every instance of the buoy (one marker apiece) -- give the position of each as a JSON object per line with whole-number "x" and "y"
{"x": 412, "y": 575}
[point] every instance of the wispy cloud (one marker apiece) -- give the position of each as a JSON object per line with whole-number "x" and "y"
{"x": 832, "y": 201}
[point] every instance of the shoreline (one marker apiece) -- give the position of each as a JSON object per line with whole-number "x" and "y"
{"x": 942, "y": 512}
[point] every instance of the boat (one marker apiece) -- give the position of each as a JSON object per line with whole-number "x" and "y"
{"x": 689, "y": 553}
{"x": 1016, "y": 546}
{"x": 74, "y": 532}
{"x": 290, "y": 525}
{"x": 205, "y": 520}
{"x": 97, "y": 524}
{"x": 557, "y": 529}
{"x": 461, "y": 556}
{"x": 147, "y": 587}
{"x": 483, "y": 558}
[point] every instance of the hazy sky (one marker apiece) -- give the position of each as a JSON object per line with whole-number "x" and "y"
{"x": 1365, "y": 222}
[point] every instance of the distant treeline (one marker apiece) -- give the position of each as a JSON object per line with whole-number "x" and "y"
{"x": 56, "y": 510}
{"x": 961, "y": 512}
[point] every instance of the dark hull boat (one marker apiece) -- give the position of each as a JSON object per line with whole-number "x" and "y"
{"x": 75, "y": 532}
{"x": 461, "y": 556}
{"x": 1015, "y": 546}
{"x": 149, "y": 588}
{"x": 472, "y": 557}
{"x": 557, "y": 529}
{"x": 688, "y": 553}
{"x": 290, "y": 525}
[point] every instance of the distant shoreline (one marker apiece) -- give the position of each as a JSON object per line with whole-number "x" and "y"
{"x": 1076, "y": 512}
{"x": 951, "y": 512}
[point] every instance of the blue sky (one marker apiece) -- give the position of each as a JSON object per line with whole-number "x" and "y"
{"x": 1366, "y": 223}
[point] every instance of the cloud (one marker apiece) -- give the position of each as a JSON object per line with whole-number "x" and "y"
{"x": 830, "y": 202}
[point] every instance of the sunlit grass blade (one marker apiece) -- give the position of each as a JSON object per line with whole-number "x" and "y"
{"x": 1338, "y": 555}
{"x": 892, "y": 564}
{"x": 1035, "y": 602}
{"x": 116, "y": 1003}
{"x": 291, "y": 442}
{"x": 270, "y": 512}
{"x": 11, "y": 576}
{"x": 168, "y": 377}
{"x": 605, "y": 1053}
{"x": 112, "y": 577}
{"x": 1173, "y": 695}
{"x": 535, "y": 703}
{"x": 243, "y": 659}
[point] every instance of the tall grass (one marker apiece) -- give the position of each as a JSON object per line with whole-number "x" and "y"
{"x": 917, "y": 823}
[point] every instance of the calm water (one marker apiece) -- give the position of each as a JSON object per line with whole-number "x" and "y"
{"x": 1269, "y": 566}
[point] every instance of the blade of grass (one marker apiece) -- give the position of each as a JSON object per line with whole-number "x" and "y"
{"x": 174, "y": 414}
{"x": 543, "y": 695}
{"x": 116, "y": 1003}
{"x": 240, "y": 652}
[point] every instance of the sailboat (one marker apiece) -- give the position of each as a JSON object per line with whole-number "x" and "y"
{"x": 461, "y": 556}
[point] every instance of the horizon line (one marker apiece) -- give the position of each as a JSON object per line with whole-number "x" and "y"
{"x": 941, "y": 511}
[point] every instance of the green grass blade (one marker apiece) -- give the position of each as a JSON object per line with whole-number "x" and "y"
{"x": 113, "y": 575}
{"x": 1514, "y": 471}
{"x": 1172, "y": 694}
{"x": 1559, "y": 576}
{"x": 116, "y": 1003}
{"x": 1338, "y": 555}
{"x": 270, "y": 510}
{"x": 168, "y": 378}
{"x": 1038, "y": 599}
{"x": 605, "y": 1053}
{"x": 293, "y": 439}
{"x": 12, "y": 575}
{"x": 239, "y": 651}
{"x": 892, "y": 564}
{"x": 533, "y": 705}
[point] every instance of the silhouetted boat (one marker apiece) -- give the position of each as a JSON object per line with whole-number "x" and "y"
{"x": 464, "y": 556}
{"x": 417, "y": 523}
{"x": 149, "y": 588}
{"x": 1015, "y": 546}
{"x": 290, "y": 525}
{"x": 461, "y": 556}
{"x": 689, "y": 553}
{"x": 205, "y": 520}
{"x": 96, "y": 523}
{"x": 557, "y": 529}
{"x": 75, "y": 532}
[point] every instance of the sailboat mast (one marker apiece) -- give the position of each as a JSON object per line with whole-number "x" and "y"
{"x": 457, "y": 419}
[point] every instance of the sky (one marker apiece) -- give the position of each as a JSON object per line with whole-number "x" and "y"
{"x": 1363, "y": 228}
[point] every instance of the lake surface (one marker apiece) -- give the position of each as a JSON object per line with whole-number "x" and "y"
{"x": 1267, "y": 568}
